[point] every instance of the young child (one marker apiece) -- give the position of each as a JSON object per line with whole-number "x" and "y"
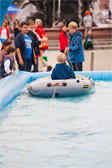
{"x": 74, "y": 50}
{"x": 6, "y": 67}
{"x": 89, "y": 41}
{"x": 61, "y": 70}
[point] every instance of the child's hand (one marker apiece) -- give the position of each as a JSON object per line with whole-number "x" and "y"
{"x": 66, "y": 50}
{"x": 12, "y": 73}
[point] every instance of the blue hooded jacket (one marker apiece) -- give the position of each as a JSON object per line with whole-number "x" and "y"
{"x": 75, "y": 53}
{"x": 62, "y": 71}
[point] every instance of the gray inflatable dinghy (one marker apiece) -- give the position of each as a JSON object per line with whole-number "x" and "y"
{"x": 45, "y": 87}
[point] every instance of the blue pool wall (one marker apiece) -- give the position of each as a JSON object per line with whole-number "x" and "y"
{"x": 11, "y": 86}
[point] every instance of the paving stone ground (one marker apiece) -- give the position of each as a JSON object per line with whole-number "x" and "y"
{"x": 102, "y": 60}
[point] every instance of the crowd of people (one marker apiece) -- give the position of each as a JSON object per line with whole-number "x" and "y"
{"x": 30, "y": 47}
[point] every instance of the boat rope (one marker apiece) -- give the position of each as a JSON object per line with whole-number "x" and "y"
{"x": 38, "y": 92}
{"x": 40, "y": 127}
{"x": 70, "y": 61}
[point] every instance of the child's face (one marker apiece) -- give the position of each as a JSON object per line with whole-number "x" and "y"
{"x": 32, "y": 26}
{"x": 12, "y": 54}
{"x": 72, "y": 30}
{"x": 89, "y": 33}
{"x": 64, "y": 28}
{"x": 6, "y": 47}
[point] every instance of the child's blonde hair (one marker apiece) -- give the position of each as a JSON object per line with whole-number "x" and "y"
{"x": 73, "y": 25}
{"x": 61, "y": 57}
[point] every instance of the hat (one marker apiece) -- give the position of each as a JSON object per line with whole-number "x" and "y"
{"x": 87, "y": 13}
{"x": 61, "y": 58}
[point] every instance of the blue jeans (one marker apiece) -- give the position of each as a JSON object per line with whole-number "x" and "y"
{"x": 36, "y": 66}
{"x": 76, "y": 66}
{"x": 27, "y": 65}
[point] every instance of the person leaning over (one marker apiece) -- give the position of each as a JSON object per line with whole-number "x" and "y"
{"x": 6, "y": 67}
{"x": 36, "y": 42}
{"x": 25, "y": 55}
{"x": 63, "y": 38}
{"x": 61, "y": 70}
{"x": 5, "y": 45}
{"x": 43, "y": 47}
{"x": 74, "y": 50}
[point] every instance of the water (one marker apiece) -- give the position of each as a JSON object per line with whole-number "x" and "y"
{"x": 60, "y": 133}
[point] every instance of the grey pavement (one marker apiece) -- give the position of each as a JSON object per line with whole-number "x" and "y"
{"x": 102, "y": 59}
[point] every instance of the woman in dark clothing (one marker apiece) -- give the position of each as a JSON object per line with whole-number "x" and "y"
{"x": 36, "y": 43}
{"x": 16, "y": 28}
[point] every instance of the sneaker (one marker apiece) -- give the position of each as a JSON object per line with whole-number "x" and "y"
{"x": 49, "y": 68}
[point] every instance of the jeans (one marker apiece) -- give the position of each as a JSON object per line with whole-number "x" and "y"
{"x": 27, "y": 65}
{"x": 36, "y": 66}
{"x": 76, "y": 66}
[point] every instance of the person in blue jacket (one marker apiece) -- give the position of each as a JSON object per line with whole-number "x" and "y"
{"x": 74, "y": 50}
{"x": 25, "y": 55}
{"x": 61, "y": 70}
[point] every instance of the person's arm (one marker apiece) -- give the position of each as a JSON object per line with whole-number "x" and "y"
{"x": 8, "y": 34}
{"x": 7, "y": 67}
{"x": 76, "y": 44}
{"x": 18, "y": 43}
{"x": 72, "y": 74}
{"x": 53, "y": 75}
{"x": 37, "y": 43}
{"x": 19, "y": 56}
{"x": 62, "y": 40}
{"x": 35, "y": 60}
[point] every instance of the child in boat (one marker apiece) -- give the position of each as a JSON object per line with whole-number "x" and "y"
{"x": 6, "y": 67}
{"x": 61, "y": 70}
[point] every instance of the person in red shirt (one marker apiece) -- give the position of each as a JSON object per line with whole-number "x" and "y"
{"x": 63, "y": 38}
{"x": 44, "y": 45}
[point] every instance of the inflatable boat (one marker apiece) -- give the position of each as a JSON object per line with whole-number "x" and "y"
{"x": 45, "y": 87}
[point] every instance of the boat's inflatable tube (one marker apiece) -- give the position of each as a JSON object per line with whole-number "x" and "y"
{"x": 45, "y": 87}
{"x": 11, "y": 86}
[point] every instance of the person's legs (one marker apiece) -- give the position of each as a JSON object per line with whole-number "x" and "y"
{"x": 72, "y": 66}
{"x": 62, "y": 51}
{"x": 28, "y": 65}
{"x": 78, "y": 66}
{"x": 40, "y": 64}
{"x": 44, "y": 63}
{"x": 36, "y": 66}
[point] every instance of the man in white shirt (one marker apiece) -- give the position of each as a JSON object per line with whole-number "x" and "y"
{"x": 87, "y": 22}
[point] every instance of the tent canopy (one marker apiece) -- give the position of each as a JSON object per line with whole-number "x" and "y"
{"x": 13, "y": 9}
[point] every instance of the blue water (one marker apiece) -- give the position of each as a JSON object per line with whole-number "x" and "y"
{"x": 71, "y": 132}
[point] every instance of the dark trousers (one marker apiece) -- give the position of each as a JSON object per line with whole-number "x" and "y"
{"x": 62, "y": 51}
{"x": 36, "y": 66}
{"x": 27, "y": 65}
{"x": 76, "y": 66}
